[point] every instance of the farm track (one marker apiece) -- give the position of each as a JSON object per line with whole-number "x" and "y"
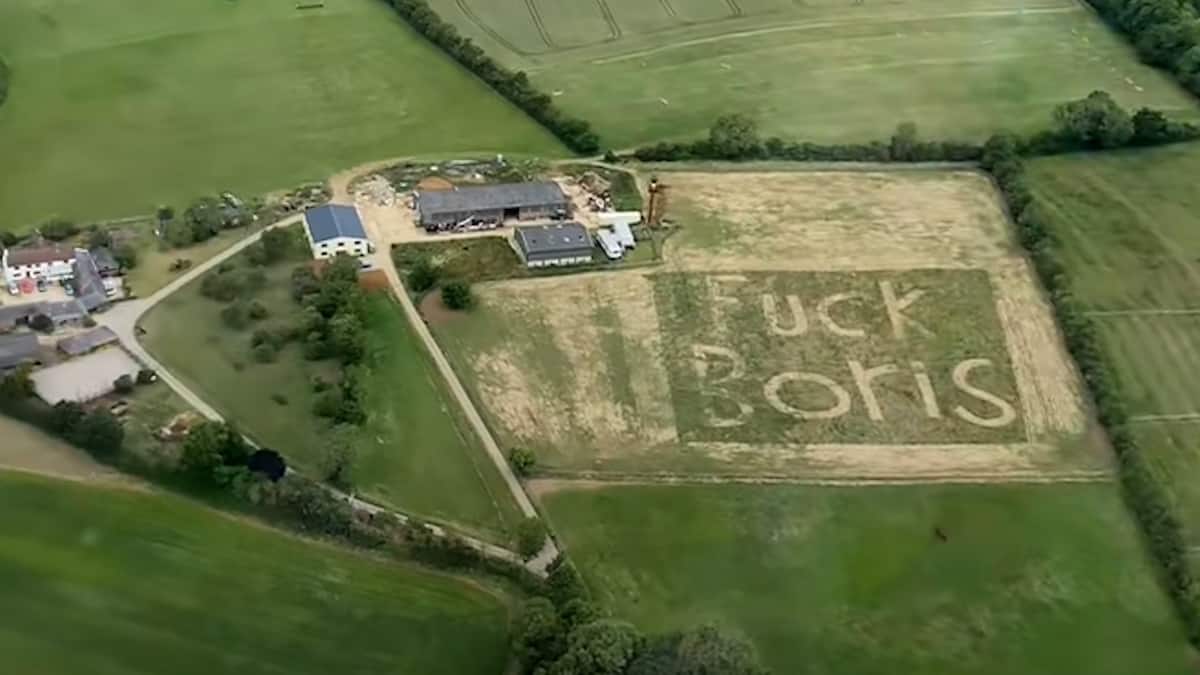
{"x": 669, "y": 8}
{"x": 489, "y": 31}
{"x": 735, "y": 9}
{"x": 540, "y": 24}
{"x": 613, "y": 27}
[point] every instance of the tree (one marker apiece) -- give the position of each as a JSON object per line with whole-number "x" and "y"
{"x": 348, "y": 337}
{"x": 17, "y": 385}
{"x": 576, "y": 612}
{"x": 268, "y": 463}
{"x": 165, "y": 214}
{"x": 65, "y": 418}
{"x": 904, "y": 142}
{"x": 41, "y": 323}
{"x": 58, "y": 229}
{"x": 126, "y": 256}
{"x": 123, "y": 384}
{"x": 522, "y": 460}
{"x": 563, "y": 582}
{"x": 337, "y": 464}
{"x": 422, "y": 275}
{"x": 211, "y": 445}
{"x": 1095, "y": 121}
{"x": 1150, "y": 127}
{"x": 265, "y": 352}
{"x": 457, "y": 295}
{"x": 99, "y": 432}
{"x": 98, "y": 238}
{"x": 235, "y": 316}
{"x": 734, "y": 137}
{"x": 602, "y": 647}
{"x": 273, "y": 246}
{"x": 531, "y": 537}
{"x": 538, "y": 636}
{"x": 256, "y": 311}
{"x": 700, "y": 651}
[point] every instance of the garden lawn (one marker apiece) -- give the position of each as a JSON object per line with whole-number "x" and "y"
{"x": 1129, "y": 227}
{"x": 123, "y": 583}
{"x": 828, "y": 581}
{"x": 414, "y": 453}
{"x": 820, "y": 70}
{"x": 118, "y": 106}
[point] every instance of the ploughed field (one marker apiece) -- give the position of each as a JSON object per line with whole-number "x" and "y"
{"x": 108, "y": 581}
{"x": 1127, "y": 224}
{"x": 824, "y": 70}
{"x": 854, "y": 326}
{"x": 119, "y": 105}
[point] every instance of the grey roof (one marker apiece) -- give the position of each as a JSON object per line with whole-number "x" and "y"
{"x": 489, "y": 198}
{"x": 10, "y": 315}
{"x": 86, "y": 342}
{"x": 547, "y": 240}
{"x": 17, "y": 349}
{"x": 105, "y": 262}
{"x": 332, "y": 221}
{"x": 89, "y": 285}
{"x": 64, "y": 310}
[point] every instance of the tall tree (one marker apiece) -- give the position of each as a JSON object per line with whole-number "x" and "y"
{"x": 1095, "y": 121}
{"x": 735, "y": 137}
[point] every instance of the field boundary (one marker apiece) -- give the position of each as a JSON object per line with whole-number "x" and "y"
{"x": 619, "y": 478}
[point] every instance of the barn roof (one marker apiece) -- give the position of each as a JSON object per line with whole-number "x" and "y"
{"x": 89, "y": 286}
{"x": 489, "y": 198}
{"x": 545, "y": 240}
{"x": 17, "y": 349}
{"x": 38, "y": 255}
{"x": 86, "y": 342}
{"x": 333, "y": 221}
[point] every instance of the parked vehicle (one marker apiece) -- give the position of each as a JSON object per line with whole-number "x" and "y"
{"x": 41, "y": 285}
{"x": 14, "y": 289}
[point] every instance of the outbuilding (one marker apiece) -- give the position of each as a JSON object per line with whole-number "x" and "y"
{"x": 17, "y": 350}
{"x": 555, "y": 245}
{"x": 335, "y": 229}
{"x": 491, "y": 203}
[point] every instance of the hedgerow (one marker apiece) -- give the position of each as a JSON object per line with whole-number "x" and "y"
{"x": 5, "y": 73}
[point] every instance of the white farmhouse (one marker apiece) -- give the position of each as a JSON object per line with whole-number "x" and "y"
{"x": 334, "y": 229}
{"x": 52, "y": 263}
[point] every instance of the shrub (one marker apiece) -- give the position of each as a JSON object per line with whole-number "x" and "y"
{"x": 523, "y": 461}
{"x": 531, "y": 537}
{"x": 457, "y": 295}
{"x": 279, "y": 398}
{"x": 5, "y": 73}
{"x": 256, "y": 311}
{"x": 41, "y": 323}
{"x": 235, "y": 316}
{"x": 123, "y": 384}
{"x": 265, "y": 353}
{"x": 422, "y": 275}
{"x": 58, "y": 229}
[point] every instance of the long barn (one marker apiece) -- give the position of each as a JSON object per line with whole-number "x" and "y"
{"x": 492, "y": 203}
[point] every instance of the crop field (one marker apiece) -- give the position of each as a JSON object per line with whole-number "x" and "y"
{"x": 809, "y": 324}
{"x": 823, "y": 70}
{"x": 413, "y": 453}
{"x": 117, "y": 582}
{"x": 1129, "y": 224}
{"x": 930, "y": 579}
{"x": 120, "y": 105}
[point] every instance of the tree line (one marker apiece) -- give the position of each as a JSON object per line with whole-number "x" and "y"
{"x": 1146, "y": 496}
{"x": 5, "y": 74}
{"x": 515, "y": 86}
{"x": 1162, "y": 31}
{"x": 1093, "y": 122}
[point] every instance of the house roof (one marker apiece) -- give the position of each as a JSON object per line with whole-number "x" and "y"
{"x": 489, "y": 198}
{"x": 17, "y": 349}
{"x": 89, "y": 285}
{"x": 545, "y": 240}
{"x": 86, "y": 342}
{"x": 332, "y": 221}
{"x": 104, "y": 259}
{"x": 38, "y": 255}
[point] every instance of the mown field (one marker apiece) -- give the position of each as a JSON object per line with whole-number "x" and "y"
{"x": 120, "y": 105}
{"x": 414, "y": 452}
{"x": 823, "y": 70}
{"x": 1129, "y": 227}
{"x": 936, "y": 579}
{"x": 118, "y": 582}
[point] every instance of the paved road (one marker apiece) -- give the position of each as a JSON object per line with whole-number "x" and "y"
{"x": 123, "y": 318}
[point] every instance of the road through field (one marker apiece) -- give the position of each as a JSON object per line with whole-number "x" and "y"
{"x": 123, "y": 319}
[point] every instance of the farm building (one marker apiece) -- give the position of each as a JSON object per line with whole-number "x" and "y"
{"x": 90, "y": 341}
{"x": 491, "y": 203}
{"x": 52, "y": 263}
{"x": 553, "y": 245}
{"x": 334, "y": 229}
{"x": 17, "y": 350}
{"x": 88, "y": 282}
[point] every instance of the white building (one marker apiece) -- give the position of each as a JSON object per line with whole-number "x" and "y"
{"x": 52, "y": 263}
{"x": 334, "y": 229}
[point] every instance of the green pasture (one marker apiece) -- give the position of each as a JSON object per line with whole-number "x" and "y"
{"x": 121, "y": 105}
{"x": 935, "y": 579}
{"x": 1129, "y": 230}
{"x": 414, "y": 453}
{"x": 822, "y": 70}
{"x": 124, "y": 583}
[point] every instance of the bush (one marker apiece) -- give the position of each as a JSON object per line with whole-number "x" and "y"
{"x": 235, "y": 316}
{"x": 531, "y": 537}
{"x": 575, "y": 133}
{"x": 58, "y": 229}
{"x": 523, "y": 461}
{"x": 280, "y": 399}
{"x": 457, "y": 295}
{"x": 224, "y": 285}
{"x": 41, "y": 323}
{"x": 123, "y": 384}
{"x": 423, "y": 275}
{"x": 5, "y": 73}
{"x": 265, "y": 353}
{"x": 256, "y": 311}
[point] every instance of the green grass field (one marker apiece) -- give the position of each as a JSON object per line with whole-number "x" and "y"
{"x": 118, "y": 106}
{"x": 124, "y": 583}
{"x": 827, "y": 581}
{"x": 1129, "y": 224}
{"x": 824, "y": 70}
{"x": 414, "y": 453}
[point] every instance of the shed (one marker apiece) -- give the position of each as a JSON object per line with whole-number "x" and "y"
{"x": 519, "y": 201}
{"x": 12, "y": 315}
{"x": 17, "y": 350}
{"x": 65, "y": 312}
{"x": 554, "y": 245}
{"x": 85, "y": 342}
